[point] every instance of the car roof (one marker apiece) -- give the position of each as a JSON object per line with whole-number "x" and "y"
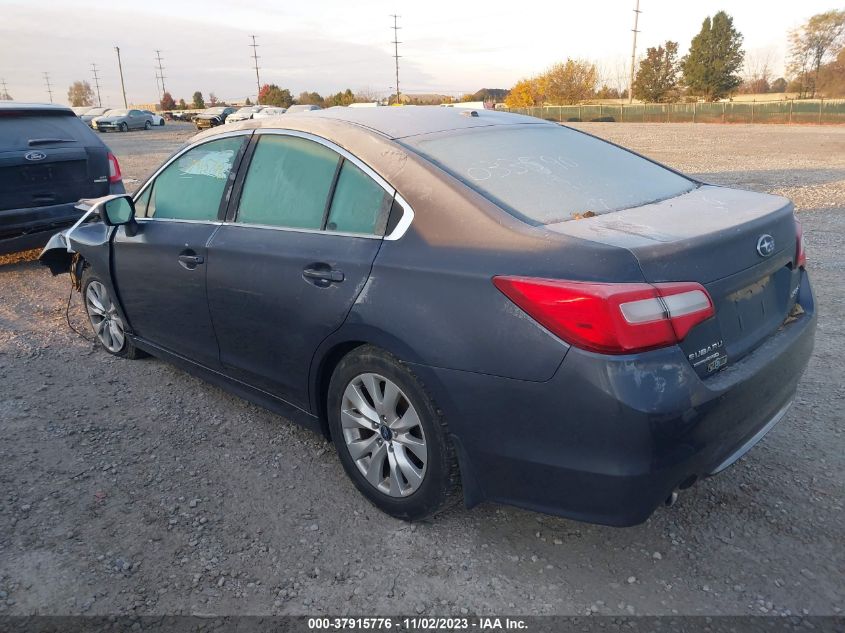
{"x": 400, "y": 122}
{"x": 33, "y": 107}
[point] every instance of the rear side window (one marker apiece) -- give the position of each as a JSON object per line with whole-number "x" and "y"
{"x": 544, "y": 174}
{"x": 359, "y": 204}
{"x": 31, "y": 131}
{"x": 288, "y": 183}
{"x": 191, "y": 187}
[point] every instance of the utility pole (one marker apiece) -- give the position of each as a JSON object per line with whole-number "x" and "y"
{"x": 120, "y": 68}
{"x": 97, "y": 84}
{"x": 257, "y": 80}
{"x": 634, "y": 52}
{"x": 396, "y": 44}
{"x": 49, "y": 87}
{"x": 4, "y": 95}
{"x": 160, "y": 73}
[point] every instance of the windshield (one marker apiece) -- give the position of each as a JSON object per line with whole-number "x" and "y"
{"x": 116, "y": 113}
{"x": 544, "y": 174}
{"x": 96, "y": 111}
{"x": 249, "y": 109}
{"x": 214, "y": 111}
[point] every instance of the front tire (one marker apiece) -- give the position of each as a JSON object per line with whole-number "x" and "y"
{"x": 104, "y": 318}
{"x": 124, "y": 127}
{"x": 390, "y": 436}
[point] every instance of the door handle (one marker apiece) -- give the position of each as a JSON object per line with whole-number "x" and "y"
{"x": 325, "y": 275}
{"x": 190, "y": 261}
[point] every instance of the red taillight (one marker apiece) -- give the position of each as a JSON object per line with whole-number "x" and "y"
{"x": 611, "y": 318}
{"x": 800, "y": 253}
{"x": 114, "y": 169}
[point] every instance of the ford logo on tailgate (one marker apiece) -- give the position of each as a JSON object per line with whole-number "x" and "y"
{"x": 765, "y": 245}
{"x": 35, "y": 156}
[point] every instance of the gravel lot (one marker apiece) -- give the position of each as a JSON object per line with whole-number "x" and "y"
{"x": 131, "y": 487}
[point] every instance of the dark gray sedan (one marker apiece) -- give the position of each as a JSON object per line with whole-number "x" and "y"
{"x": 122, "y": 120}
{"x": 463, "y": 296}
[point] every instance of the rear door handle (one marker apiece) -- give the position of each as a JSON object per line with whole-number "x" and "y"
{"x": 328, "y": 275}
{"x": 190, "y": 261}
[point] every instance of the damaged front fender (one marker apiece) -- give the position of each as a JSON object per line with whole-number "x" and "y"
{"x": 62, "y": 252}
{"x": 57, "y": 255}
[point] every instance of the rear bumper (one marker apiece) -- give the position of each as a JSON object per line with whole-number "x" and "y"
{"x": 607, "y": 439}
{"x": 23, "y": 229}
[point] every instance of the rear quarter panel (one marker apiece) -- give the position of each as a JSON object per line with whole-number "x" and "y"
{"x": 430, "y": 295}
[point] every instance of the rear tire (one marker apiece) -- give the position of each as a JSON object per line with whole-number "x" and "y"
{"x": 148, "y": 125}
{"x": 105, "y": 321}
{"x": 161, "y": 123}
{"x": 390, "y": 436}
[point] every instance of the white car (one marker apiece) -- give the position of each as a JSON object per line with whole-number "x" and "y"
{"x": 268, "y": 112}
{"x": 245, "y": 113}
{"x": 157, "y": 118}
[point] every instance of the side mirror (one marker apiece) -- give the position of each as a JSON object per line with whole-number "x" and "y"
{"x": 119, "y": 211}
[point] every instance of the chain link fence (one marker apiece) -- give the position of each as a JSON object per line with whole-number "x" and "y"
{"x": 817, "y": 111}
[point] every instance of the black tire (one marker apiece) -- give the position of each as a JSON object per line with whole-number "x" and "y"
{"x": 148, "y": 125}
{"x": 128, "y": 349}
{"x": 161, "y": 123}
{"x": 441, "y": 480}
{"x": 124, "y": 127}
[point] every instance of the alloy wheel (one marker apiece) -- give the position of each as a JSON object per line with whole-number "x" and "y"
{"x": 383, "y": 434}
{"x": 105, "y": 320}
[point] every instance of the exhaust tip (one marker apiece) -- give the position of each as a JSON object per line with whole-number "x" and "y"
{"x": 671, "y": 499}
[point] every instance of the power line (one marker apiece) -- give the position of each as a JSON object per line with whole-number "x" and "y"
{"x": 255, "y": 59}
{"x": 97, "y": 84}
{"x": 396, "y": 44}
{"x": 120, "y": 68}
{"x": 634, "y": 52}
{"x": 49, "y": 87}
{"x": 160, "y": 73}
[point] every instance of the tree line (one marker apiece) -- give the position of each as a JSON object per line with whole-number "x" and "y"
{"x": 709, "y": 70}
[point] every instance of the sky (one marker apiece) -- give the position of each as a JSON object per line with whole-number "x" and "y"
{"x": 447, "y": 46}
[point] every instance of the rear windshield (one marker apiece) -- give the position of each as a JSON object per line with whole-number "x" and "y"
{"x": 544, "y": 174}
{"x": 24, "y": 130}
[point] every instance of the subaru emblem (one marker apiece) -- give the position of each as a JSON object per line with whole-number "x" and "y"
{"x": 35, "y": 156}
{"x": 765, "y": 245}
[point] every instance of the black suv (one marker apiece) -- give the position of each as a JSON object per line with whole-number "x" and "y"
{"x": 49, "y": 159}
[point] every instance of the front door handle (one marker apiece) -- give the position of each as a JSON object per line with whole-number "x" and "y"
{"x": 323, "y": 276}
{"x": 190, "y": 261}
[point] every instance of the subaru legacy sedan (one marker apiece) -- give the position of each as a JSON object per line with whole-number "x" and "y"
{"x": 462, "y": 300}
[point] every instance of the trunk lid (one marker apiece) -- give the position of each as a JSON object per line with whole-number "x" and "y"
{"x": 710, "y": 236}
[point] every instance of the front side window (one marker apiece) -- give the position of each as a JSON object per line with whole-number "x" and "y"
{"x": 359, "y": 204}
{"x": 288, "y": 183}
{"x": 192, "y": 186}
